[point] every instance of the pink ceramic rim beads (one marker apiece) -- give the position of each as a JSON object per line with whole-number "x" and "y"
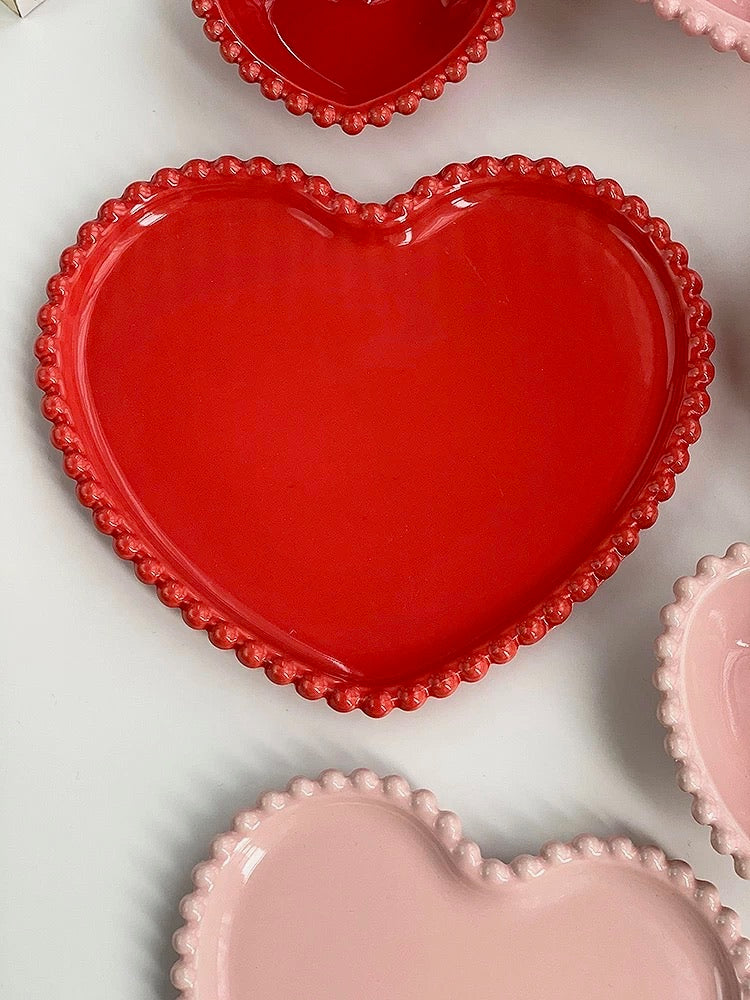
{"x": 209, "y": 911}
{"x": 681, "y": 743}
{"x": 702, "y": 17}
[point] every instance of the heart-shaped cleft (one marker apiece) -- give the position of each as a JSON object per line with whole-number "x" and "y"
{"x": 356, "y": 887}
{"x": 353, "y": 62}
{"x": 374, "y": 448}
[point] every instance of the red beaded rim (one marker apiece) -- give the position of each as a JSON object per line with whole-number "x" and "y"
{"x": 378, "y": 112}
{"x": 197, "y": 612}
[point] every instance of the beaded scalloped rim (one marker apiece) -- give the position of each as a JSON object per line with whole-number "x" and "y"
{"x": 680, "y": 743}
{"x": 197, "y": 612}
{"x": 378, "y": 112}
{"x": 701, "y": 17}
{"x": 466, "y": 856}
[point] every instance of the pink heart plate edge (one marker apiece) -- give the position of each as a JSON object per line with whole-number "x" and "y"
{"x": 681, "y": 744}
{"x": 725, "y": 32}
{"x": 445, "y": 828}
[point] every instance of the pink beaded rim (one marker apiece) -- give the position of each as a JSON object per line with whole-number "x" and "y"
{"x": 379, "y": 112}
{"x": 725, "y": 32}
{"x": 708, "y": 809}
{"x": 197, "y": 610}
{"x": 445, "y": 828}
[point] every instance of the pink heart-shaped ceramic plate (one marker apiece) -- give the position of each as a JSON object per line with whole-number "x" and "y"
{"x": 353, "y": 62}
{"x": 375, "y": 448}
{"x": 357, "y": 887}
{"x": 726, "y": 23}
{"x": 704, "y": 679}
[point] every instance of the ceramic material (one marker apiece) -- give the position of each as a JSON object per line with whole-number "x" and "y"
{"x": 725, "y": 22}
{"x": 357, "y": 887}
{"x": 704, "y": 678}
{"x": 353, "y": 62}
{"x": 373, "y": 448}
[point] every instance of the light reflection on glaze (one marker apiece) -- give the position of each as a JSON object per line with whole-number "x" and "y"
{"x": 739, "y": 8}
{"x": 717, "y": 669}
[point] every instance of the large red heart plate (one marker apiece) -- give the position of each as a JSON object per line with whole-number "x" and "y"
{"x": 353, "y": 62}
{"x": 356, "y": 887}
{"x": 374, "y": 448}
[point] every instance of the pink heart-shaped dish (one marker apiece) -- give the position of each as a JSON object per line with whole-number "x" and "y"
{"x": 353, "y": 62}
{"x": 704, "y": 679}
{"x": 375, "y": 448}
{"x": 726, "y": 23}
{"x": 356, "y": 887}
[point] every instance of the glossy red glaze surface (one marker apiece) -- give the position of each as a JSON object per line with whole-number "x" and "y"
{"x": 353, "y": 62}
{"x": 389, "y": 442}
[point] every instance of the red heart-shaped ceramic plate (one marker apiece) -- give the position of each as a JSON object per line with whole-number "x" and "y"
{"x": 357, "y": 887}
{"x": 353, "y": 62}
{"x": 373, "y": 448}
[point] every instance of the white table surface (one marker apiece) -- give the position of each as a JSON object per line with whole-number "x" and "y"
{"x": 126, "y": 740}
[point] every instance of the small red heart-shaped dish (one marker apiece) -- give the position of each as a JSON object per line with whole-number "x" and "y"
{"x": 357, "y": 887}
{"x": 374, "y": 448}
{"x": 353, "y": 62}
